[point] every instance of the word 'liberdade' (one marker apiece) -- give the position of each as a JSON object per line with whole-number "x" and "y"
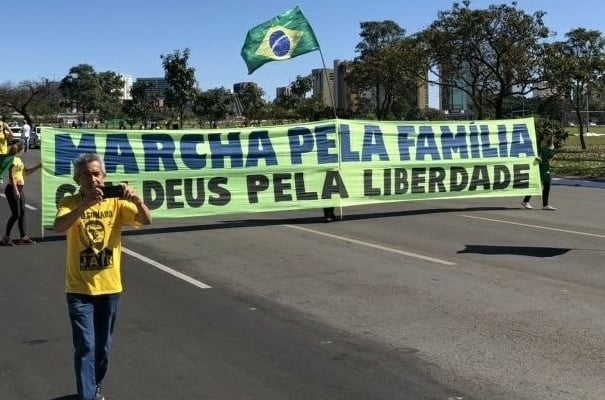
{"x": 289, "y": 187}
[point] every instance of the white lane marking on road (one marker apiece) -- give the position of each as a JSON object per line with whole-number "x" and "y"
{"x": 26, "y": 205}
{"x": 166, "y": 269}
{"x": 535, "y": 226}
{"x": 375, "y": 246}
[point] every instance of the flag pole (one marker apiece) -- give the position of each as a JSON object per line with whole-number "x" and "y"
{"x": 323, "y": 62}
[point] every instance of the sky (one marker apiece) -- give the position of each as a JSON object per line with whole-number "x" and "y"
{"x": 43, "y": 39}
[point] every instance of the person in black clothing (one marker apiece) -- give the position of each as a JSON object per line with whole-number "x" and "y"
{"x": 329, "y": 215}
{"x": 546, "y": 153}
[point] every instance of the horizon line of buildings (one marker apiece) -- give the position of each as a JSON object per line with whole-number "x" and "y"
{"x": 332, "y": 87}
{"x": 329, "y": 84}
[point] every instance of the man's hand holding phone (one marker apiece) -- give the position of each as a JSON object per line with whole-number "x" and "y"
{"x": 113, "y": 191}
{"x": 121, "y": 191}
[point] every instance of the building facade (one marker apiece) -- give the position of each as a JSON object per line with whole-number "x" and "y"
{"x": 240, "y": 86}
{"x": 127, "y": 87}
{"x": 346, "y": 96}
{"x": 158, "y": 86}
{"x": 323, "y": 85}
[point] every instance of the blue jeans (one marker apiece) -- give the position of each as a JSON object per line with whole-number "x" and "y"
{"x": 92, "y": 321}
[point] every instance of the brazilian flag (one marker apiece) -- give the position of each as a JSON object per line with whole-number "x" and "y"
{"x": 6, "y": 162}
{"x": 286, "y": 36}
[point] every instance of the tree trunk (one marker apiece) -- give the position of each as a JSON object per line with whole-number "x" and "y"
{"x": 581, "y": 128}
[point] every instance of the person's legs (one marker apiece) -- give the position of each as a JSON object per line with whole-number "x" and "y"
{"x": 106, "y": 312}
{"x": 526, "y": 199}
{"x": 81, "y": 312}
{"x": 13, "y": 204}
{"x": 545, "y": 193}
{"x": 329, "y": 214}
{"x": 21, "y": 223}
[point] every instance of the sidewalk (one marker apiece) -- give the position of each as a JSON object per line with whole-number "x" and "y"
{"x": 575, "y": 181}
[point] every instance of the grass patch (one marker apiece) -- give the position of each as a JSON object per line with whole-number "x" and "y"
{"x": 572, "y": 160}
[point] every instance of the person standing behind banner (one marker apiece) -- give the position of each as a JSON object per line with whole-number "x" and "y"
{"x": 329, "y": 215}
{"x": 545, "y": 154}
{"x": 16, "y": 197}
{"x": 93, "y": 282}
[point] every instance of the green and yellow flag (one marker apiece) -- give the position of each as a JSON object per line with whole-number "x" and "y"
{"x": 6, "y": 162}
{"x": 286, "y": 36}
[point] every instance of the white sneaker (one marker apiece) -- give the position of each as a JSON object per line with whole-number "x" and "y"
{"x": 549, "y": 208}
{"x": 526, "y": 205}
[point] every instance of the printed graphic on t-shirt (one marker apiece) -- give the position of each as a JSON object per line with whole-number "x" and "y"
{"x": 96, "y": 256}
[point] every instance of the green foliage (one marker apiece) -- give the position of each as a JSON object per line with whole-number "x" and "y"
{"x": 576, "y": 67}
{"x": 251, "y": 98}
{"x": 489, "y": 54}
{"x": 81, "y": 89}
{"x": 181, "y": 82}
{"x": 111, "y": 85}
{"x": 301, "y": 86}
{"x": 144, "y": 107}
{"x": 388, "y": 67}
{"x": 213, "y": 105}
{"x": 544, "y": 125}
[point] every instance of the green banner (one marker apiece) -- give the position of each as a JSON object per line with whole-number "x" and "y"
{"x": 192, "y": 173}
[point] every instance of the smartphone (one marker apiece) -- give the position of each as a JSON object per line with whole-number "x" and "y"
{"x": 112, "y": 191}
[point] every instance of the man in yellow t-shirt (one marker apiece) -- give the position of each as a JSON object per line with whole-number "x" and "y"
{"x": 93, "y": 225}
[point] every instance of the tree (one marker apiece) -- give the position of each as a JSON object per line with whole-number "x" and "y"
{"x": 181, "y": 82}
{"x": 251, "y": 98}
{"x": 30, "y": 98}
{"x": 301, "y": 86}
{"x": 489, "y": 54}
{"x": 111, "y": 94}
{"x": 81, "y": 89}
{"x": 313, "y": 109}
{"x": 144, "y": 106}
{"x": 213, "y": 105}
{"x": 387, "y": 67}
{"x": 575, "y": 68}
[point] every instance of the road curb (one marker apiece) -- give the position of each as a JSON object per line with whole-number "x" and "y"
{"x": 600, "y": 184}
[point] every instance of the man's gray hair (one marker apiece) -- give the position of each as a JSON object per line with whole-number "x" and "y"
{"x": 84, "y": 159}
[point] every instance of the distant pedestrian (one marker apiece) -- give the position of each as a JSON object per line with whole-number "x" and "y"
{"x": 545, "y": 154}
{"x": 16, "y": 197}
{"x": 26, "y": 131}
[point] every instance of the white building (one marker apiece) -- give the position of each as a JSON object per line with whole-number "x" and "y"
{"x": 127, "y": 86}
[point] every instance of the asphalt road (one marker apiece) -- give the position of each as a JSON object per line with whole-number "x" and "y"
{"x": 465, "y": 299}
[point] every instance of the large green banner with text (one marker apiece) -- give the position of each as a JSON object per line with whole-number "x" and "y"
{"x": 192, "y": 173}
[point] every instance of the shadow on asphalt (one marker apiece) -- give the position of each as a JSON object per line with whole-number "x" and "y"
{"x": 256, "y": 222}
{"x": 530, "y": 251}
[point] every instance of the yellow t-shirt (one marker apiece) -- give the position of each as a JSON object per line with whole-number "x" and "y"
{"x": 3, "y": 139}
{"x": 18, "y": 168}
{"x": 94, "y": 245}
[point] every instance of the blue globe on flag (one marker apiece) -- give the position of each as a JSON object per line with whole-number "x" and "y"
{"x": 280, "y": 43}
